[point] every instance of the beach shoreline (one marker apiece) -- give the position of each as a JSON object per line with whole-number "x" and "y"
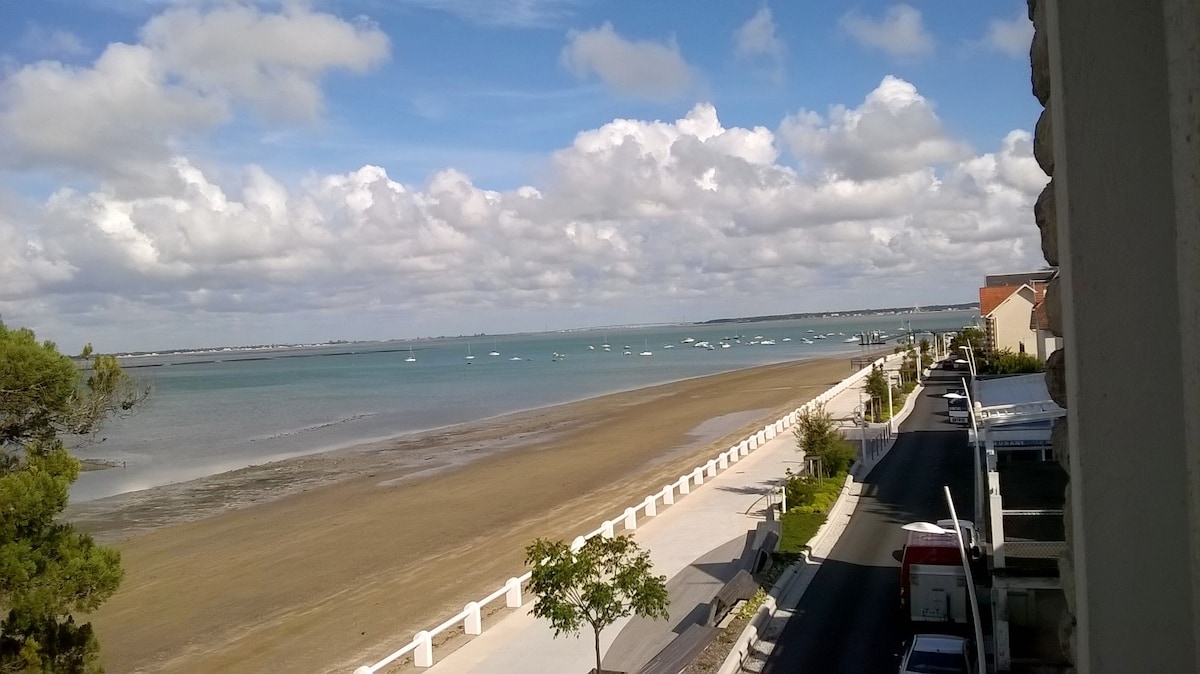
{"x": 325, "y": 561}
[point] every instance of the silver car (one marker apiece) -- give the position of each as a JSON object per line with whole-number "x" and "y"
{"x": 937, "y": 654}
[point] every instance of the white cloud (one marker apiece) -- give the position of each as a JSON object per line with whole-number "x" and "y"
{"x": 640, "y": 68}
{"x": 271, "y": 60}
{"x": 1011, "y": 37}
{"x": 900, "y": 33}
{"x": 632, "y": 214}
{"x": 757, "y": 39}
{"x": 894, "y": 131}
{"x": 502, "y": 13}
{"x": 51, "y": 42}
{"x": 130, "y": 106}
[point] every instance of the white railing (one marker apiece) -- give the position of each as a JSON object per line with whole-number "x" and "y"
{"x": 471, "y": 616}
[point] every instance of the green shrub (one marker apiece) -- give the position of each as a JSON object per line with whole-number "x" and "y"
{"x": 798, "y": 530}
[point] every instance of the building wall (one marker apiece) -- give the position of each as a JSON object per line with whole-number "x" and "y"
{"x": 1011, "y": 326}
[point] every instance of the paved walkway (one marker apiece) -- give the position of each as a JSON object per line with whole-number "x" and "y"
{"x": 696, "y": 543}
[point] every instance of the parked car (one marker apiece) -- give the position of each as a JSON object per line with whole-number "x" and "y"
{"x": 938, "y": 654}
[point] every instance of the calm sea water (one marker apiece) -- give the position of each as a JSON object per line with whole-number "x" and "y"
{"x": 212, "y": 413}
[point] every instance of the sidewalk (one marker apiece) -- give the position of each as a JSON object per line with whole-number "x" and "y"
{"x": 706, "y": 525}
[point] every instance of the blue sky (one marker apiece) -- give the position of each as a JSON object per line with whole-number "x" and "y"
{"x": 186, "y": 173}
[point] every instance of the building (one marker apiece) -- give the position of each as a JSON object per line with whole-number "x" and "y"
{"x": 1010, "y": 317}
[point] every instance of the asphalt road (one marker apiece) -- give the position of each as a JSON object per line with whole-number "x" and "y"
{"x": 849, "y": 619}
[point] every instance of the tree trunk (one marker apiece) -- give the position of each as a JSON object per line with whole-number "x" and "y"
{"x": 596, "y": 629}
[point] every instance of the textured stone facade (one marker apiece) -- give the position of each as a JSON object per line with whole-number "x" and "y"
{"x": 1045, "y": 215}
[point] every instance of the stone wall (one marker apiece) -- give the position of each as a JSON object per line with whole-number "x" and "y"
{"x": 1046, "y": 217}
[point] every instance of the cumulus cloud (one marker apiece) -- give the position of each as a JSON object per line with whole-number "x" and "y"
{"x": 503, "y": 13}
{"x": 894, "y": 131}
{"x": 756, "y": 39}
{"x": 899, "y": 33}
{"x": 129, "y": 106}
{"x": 642, "y": 68}
{"x": 1011, "y": 37}
{"x": 629, "y": 211}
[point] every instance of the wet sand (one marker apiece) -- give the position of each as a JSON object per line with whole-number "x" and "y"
{"x": 326, "y": 562}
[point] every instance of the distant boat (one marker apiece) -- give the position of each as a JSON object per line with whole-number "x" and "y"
{"x": 469, "y": 355}
{"x": 516, "y": 358}
{"x": 725, "y": 345}
{"x": 411, "y": 358}
{"x": 811, "y": 330}
{"x": 807, "y": 341}
{"x": 768, "y": 342}
{"x": 495, "y": 351}
{"x": 668, "y": 346}
{"x": 606, "y": 346}
{"x": 687, "y": 340}
{"x": 851, "y": 340}
{"x": 647, "y": 352}
{"x": 786, "y": 339}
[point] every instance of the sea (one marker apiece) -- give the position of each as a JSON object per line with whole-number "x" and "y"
{"x": 218, "y": 410}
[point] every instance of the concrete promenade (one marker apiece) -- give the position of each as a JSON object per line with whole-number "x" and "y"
{"x": 696, "y": 543}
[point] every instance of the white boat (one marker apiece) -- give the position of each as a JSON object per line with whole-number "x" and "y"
{"x": 725, "y": 345}
{"x": 851, "y": 340}
{"x": 701, "y": 345}
{"x": 411, "y": 358}
{"x": 786, "y": 339}
{"x": 668, "y": 346}
{"x": 819, "y": 337}
{"x": 807, "y": 341}
{"x": 688, "y": 340}
{"x": 647, "y": 352}
{"x": 495, "y": 351}
{"x": 516, "y": 358}
{"x": 469, "y": 355}
{"x": 768, "y": 342}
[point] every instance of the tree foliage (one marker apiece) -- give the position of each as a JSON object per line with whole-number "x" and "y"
{"x": 605, "y": 580}
{"x": 972, "y": 337}
{"x": 48, "y": 570}
{"x": 1007, "y": 361}
{"x": 876, "y": 387}
{"x": 819, "y": 438}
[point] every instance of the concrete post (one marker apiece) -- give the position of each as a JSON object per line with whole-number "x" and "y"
{"x": 512, "y": 597}
{"x": 423, "y": 654}
{"x": 684, "y": 485}
{"x": 752, "y": 442}
{"x": 364, "y": 670}
{"x": 607, "y": 530}
{"x": 578, "y": 543}
{"x": 723, "y": 461}
{"x": 733, "y": 455}
{"x": 711, "y": 468}
{"x": 744, "y": 448}
{"x": 650, "y": 506}
{"x": 473, "y": 623}
{"x": 668, "y": 494}
{"x": 630, "y": 519}
{"x": 698, "y": 476}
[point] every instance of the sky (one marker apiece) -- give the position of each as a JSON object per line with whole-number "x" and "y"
{"x": 181, "y": 174}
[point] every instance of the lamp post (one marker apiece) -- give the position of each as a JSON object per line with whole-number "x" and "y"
{"x": 975, "y": 452}
{"x": 891, "y": 410}
{"x": 970, "y": 360}
{"x": 930, "y": 528}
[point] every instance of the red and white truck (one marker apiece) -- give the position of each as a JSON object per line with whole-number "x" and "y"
{"x": 933, "y": 585}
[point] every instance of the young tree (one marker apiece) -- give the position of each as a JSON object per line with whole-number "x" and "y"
{"x": 606, "y": 579}
{"x": 818, "y": 437}
{"x": 48, "y": 570}
{"x": 876, "y": 388}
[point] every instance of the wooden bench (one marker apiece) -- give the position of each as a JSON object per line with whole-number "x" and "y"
{"x": 740, "y": 588}
{"x": 682, "y": 650}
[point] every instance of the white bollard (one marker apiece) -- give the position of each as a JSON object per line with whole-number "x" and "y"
{"x": 744, "y": 448}
{"x": 723, "y": 461}
{"x": 630, "y": 519}
{"x": 770, "y": 432}
{"x": 651, "y": 507}
{"x": 685, "y": 485}
{"x": 698, "y": 476}
{"x": 733, "y": 455}
{"x": 668, "y": 494}
{"x": 473, "y": 623}
{"x": 762, "y": 438}
{"x": 512, "y": 597}
{"x": 363, "y": 670}
{"x": 607, "y": 530}
{"x": 711, "y": 468}
{"x": 578, "y": 543}
{"x": 423, "y": 654}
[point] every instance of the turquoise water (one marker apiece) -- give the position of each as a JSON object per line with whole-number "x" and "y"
{"x": 215, "y": 412}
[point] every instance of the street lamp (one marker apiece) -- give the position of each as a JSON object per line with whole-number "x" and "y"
{"x": 930, "y": 528}
{"x": 891, "y": 410}
{"x": 971, "y": 359}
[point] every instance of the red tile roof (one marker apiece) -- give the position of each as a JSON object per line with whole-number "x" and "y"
{"x": 1038, "y": 319}
{"x": 991, "y": 297}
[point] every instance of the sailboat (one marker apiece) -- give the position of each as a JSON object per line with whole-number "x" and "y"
{"x": 606, "y": 346}
{"x": 469, "y": 355}
{"x": 411, "y": 358}
{"x": 495, "y": 351}
{"x": 647, "y": 352}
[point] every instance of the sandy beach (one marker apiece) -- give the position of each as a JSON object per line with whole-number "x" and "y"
{"x": 327, "y": 562}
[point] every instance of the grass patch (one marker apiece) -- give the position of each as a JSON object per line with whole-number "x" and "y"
{"x": 798, "y": 530}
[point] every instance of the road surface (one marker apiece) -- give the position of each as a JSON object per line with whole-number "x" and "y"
{"x": 849, "y": 619}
